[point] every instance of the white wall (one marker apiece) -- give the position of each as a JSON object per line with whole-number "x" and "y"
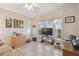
{"x": 77, "y": 13}
{"x": 6, "y": 32}
{"x": 69, "y": 10}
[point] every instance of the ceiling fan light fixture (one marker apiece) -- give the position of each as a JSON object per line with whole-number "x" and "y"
{"x": 30, "y": 6}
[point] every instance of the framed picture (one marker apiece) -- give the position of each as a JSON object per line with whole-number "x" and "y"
{"x": 20, "y": 23}
{"x": 15, "y": 23}
{"x": 8, "y": 22}
{"x": 70, "y": 19}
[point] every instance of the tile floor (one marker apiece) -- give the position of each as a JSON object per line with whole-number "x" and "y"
{"x": 37, "y": 49}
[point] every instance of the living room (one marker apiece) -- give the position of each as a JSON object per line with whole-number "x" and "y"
{"x": 21, "y": 28}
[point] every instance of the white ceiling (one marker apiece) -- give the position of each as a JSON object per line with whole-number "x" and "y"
{"x": 43, "y": 8}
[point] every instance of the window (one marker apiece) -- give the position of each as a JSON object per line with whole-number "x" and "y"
{"x": 57, "y": 28}
{"x": 56, "y": 25}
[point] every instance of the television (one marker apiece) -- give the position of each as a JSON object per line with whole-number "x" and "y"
{"x": 47, "y": 31}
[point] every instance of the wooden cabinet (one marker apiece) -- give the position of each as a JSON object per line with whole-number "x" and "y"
{"x": 16, "y": 41}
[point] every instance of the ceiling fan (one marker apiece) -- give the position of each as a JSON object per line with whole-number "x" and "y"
{"x": 30, "y": 6}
